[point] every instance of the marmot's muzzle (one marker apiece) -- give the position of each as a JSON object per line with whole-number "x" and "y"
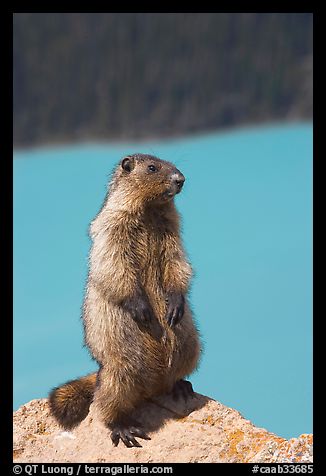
{"x": 178, "y": 180}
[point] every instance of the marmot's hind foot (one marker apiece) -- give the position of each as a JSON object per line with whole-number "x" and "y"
{"x": 127, "y": 432}
{"x": 182, "y": 388}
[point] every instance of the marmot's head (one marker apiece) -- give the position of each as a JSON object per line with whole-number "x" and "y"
{"x": 147, "y": 178}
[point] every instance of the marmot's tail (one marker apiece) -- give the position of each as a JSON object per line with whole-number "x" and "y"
{"x": 70, "y": 403}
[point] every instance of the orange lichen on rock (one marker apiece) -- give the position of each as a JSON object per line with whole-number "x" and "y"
{"x": 297, "y": 450}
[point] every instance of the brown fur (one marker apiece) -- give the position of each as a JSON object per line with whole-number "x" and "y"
{"x": 136, "y": 245}
{"x": 70, "y": 402}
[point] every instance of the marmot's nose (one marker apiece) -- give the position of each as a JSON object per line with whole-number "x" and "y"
{"x": 179, "y": 179}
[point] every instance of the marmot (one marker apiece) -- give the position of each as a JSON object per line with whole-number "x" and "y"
{"x": 137, "y": 321}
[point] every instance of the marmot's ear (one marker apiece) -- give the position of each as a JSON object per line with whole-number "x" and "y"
{"x": 128, "y": 164}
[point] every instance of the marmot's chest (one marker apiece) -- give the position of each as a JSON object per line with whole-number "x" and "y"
{"x": 151, "y": 253}
{"x": 151, "y": 243}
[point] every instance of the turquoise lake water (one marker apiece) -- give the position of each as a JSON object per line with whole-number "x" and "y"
{"x": 247, "y": 227}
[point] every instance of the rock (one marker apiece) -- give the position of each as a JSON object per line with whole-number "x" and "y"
{"x": 199, "y": 431}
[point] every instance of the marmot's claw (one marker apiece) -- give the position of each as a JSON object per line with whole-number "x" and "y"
{"x": 127, "y": 435}
{"x": 175, "y": 308}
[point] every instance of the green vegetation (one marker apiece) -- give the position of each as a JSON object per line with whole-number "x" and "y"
{"x": 138, "y": 75}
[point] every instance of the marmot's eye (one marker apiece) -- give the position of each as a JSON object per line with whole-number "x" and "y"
{"x": 152, "y": 168}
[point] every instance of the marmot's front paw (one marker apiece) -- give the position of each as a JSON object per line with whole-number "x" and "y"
{"x": 140, "y": 309}
{"x": 175, "y": 308}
